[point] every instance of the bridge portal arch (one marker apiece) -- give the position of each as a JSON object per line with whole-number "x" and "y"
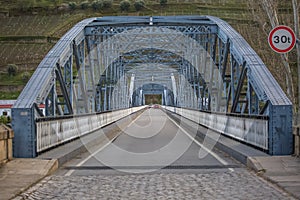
{"x": 101, "y": 63}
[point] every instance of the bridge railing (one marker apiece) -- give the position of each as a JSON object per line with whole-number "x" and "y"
{"x": 251, "y": 130}
{"x": 52, "y": 132}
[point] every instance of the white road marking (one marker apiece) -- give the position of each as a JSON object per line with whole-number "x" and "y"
{"x": 70, "y": 172}
{"x": 134, "y": 120}
{"x": 202, "y": 146}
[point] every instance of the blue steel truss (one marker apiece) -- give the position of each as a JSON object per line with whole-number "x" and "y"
{"x": 108, "y": 63}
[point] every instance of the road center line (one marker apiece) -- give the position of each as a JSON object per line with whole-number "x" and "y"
{"x": 133, "y": 121}
{"x": 201, "y": 145}
{"x": 70, "y": 172}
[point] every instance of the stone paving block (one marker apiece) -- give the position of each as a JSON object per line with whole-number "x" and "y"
{"x": 240, "y": 184}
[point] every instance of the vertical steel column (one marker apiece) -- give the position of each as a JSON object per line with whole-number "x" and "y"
{"x": 193, "y": 84}
{"x": 253, "y": 106}
{"x": 24, "y": 142}
{"x": 234, "y": 77}
{"x": 131, "y": 88}
{"x": 141, "y": 97}
{"x": 212, "y": 100}
{"x": 106, "y": 86}
{"x": 280, "y": 130}
{"x": 165, "y": 96}
{"x": 124, "y": 88}
{"x": 105, "y": 98}
{"x": 53, "y": 100}
{"x": 81, "y": 100}
{"x": 64, "y": 91}
{"x": 184, "y": 92}
{"x": 98, "y": 99}
{"x": 68, "y": 78}
{"x": 97, "y": 63}
{"x": 180, "y": 95}
{"x": 174, "y": 88}
{"x": 91, "y": 87}
{"x": 50, "y": 103}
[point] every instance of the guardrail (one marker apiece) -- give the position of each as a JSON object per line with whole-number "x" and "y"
{"x": 251, "y": 130}
{"x": 55, "y": 131}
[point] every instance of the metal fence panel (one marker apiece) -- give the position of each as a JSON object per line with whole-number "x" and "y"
{"x": 250, "y": 130}
{"x": 54, "y": 132}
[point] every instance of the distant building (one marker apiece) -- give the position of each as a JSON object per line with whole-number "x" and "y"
{"x": 6, "y": 105}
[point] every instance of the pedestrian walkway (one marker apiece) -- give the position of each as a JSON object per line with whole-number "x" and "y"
{"x": 18, "y": 175}
{"x": 283, "y": 171}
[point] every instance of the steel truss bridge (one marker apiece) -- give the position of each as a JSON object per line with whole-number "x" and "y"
{"x": 103, "y": 67}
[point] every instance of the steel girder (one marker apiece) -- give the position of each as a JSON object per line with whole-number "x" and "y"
{"x": 41, "y": 89}
{"x": 104, "y": 63}
{"x": 157, "y": 66}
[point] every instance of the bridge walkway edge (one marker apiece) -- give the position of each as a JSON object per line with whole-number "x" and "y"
{"x": 239, "y": 151}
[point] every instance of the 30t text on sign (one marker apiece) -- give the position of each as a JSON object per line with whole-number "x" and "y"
{"x": 282, "y": 39}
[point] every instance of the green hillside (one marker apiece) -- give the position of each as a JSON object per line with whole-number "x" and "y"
{"x": 30, "y": 28}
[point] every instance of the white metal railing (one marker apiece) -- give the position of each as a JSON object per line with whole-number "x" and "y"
{"x": 253, "y": 131}
{"x": 54, "y": 132}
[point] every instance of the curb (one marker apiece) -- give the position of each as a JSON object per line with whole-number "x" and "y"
{"x": 52, "y": 167}
{"x": 253, "y": 164}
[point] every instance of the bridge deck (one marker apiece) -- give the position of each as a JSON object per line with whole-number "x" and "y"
{"x": 151, "y": 142}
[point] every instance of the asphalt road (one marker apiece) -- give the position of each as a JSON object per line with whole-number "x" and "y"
{"x": 152, "y": 142}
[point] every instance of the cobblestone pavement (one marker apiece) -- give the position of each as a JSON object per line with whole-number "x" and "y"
{"x": 240, "y": 184}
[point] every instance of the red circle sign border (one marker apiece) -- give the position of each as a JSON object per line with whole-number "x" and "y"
{"x": 293, "y": 39}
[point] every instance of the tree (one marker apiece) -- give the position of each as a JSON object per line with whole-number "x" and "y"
{"x": 3, "y": 120}
{"x": 124, "y": 5}
{"x": 56, "y": 3}
{"x": 84, "y": 5}
{"x": 163, "y": 2}
{"x": 107, "y": 3}
{"x": 139, "y": 4}
{"x": 72, "y": 5}
{"x": 25, "y": 77}
{"x": 97, "y": 5}
{"x": 265, "y": 12}
{"x": 12, "y": 69}
{"x": 26, "y": 5}
{"x": 296, "y": 10}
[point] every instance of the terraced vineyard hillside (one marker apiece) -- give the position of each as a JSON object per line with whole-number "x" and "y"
{"x": 30, "y": 28}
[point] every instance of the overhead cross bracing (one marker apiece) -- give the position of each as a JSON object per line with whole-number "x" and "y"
{"x": 196, "y": 62}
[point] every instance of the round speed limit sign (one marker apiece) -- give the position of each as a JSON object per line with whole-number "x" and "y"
{"x": 282, "y": 39}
